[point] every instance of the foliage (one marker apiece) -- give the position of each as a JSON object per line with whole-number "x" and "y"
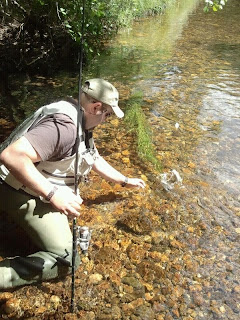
{"x": 103, "y": 18}
{"x": 214, "y": 4}
{"x": 137, "y": 123}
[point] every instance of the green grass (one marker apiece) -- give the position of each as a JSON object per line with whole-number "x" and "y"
{"x": 126, "y": 11}
{"x": 137, "y": 123}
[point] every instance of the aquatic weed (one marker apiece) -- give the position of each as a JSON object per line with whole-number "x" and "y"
{"x": 139, "y": 126}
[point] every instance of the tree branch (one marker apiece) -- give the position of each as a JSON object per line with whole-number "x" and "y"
{"x": 19, "y": 6}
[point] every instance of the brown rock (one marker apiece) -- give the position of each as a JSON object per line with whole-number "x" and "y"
{"x": 237, "y": 289}
{"x": 158, "y": 307}
{"x": 95, "y": 278}
{"x": 41, "y": 310}
{"x": 136, "y": 253}
{"x": 135, "y": 222}
{"x": 89, "y": 316}
{"x": 12, "y": 305}
{"x": 55, "y": 301}
{"x": 144, "y": 312}
{"x": 4, "y": 296}
{"x": 168, "y": 317}
{"x": 116, "y": 313}
{"x": 198, "y": 299}
{"x": 71, "y": 316}
{"x": 175, "y": 311}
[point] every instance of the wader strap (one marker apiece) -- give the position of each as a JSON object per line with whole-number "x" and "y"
{"x": 88, "y": 136}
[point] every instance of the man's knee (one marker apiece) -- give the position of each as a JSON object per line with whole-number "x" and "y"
{"x": 66, "y": 259}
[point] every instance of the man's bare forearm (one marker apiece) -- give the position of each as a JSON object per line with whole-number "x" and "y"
{"x": 18, "y": 158}
{"x": 106, "y": 171}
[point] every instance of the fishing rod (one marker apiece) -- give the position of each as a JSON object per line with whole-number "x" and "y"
{"x": 76, "y": 175}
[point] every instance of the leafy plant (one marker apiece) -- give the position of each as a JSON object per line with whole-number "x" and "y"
{"x": 45, "y": 29}
{"x": 137, "y": 123}
{"x": 214, "y": 4}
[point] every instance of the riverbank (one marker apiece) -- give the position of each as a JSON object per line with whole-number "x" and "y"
{"x": 45, "y": 37}
{"x": 36, "y": 43}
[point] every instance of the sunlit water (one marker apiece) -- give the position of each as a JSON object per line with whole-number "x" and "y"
{"x": 221, "y": 102}
{"x": 187, "y": 64}
{"x": 197, "y": 54}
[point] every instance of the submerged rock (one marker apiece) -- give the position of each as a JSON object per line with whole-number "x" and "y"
{"x": 144, "y": 312}
{"x": 95, "y": 278}
{"x": 136, "y": 222}
{"x": 12, "y": 306}
{"x": 4, "y": 296}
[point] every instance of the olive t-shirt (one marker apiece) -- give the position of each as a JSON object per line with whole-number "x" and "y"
{"x": 53, "y": 137}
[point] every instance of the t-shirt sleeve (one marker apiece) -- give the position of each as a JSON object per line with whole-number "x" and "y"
{"x": 53, "y": 137}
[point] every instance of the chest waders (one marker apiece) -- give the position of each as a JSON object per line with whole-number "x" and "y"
{"x": 48, "y": 230}
{"x": 39, "y": 215}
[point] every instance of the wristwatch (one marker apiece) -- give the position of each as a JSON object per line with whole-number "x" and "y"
{"x": 123, "y": 184}
{"x": 51, "y": 193}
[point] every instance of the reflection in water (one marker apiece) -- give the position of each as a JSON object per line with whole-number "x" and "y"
{"x": 204, "y": 63}
{"x": 222, "y": 103}
{"x": 140, "y": 52}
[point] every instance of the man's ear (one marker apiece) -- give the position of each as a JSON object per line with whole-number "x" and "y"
{"x": 97, "y": 106}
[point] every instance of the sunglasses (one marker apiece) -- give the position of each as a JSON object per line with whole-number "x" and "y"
{"x": 106, "y": 113}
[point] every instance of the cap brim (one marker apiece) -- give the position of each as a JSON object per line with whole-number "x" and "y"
{"x": 118, "y": 112}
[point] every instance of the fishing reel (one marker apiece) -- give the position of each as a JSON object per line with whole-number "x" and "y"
{"x": 83, "y": 238}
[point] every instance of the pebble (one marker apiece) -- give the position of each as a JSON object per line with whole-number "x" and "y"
{"x": 11, "y": 305}
{"x": 222, "y": 309}
{"x": 116, "y": 313}
{"x": 198, "y": 300}
{"x": 4, "y": 296}
{"x": 237, "y": 289}
{"x": 95, "y": 278}
{"x": 55, "y": 301}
